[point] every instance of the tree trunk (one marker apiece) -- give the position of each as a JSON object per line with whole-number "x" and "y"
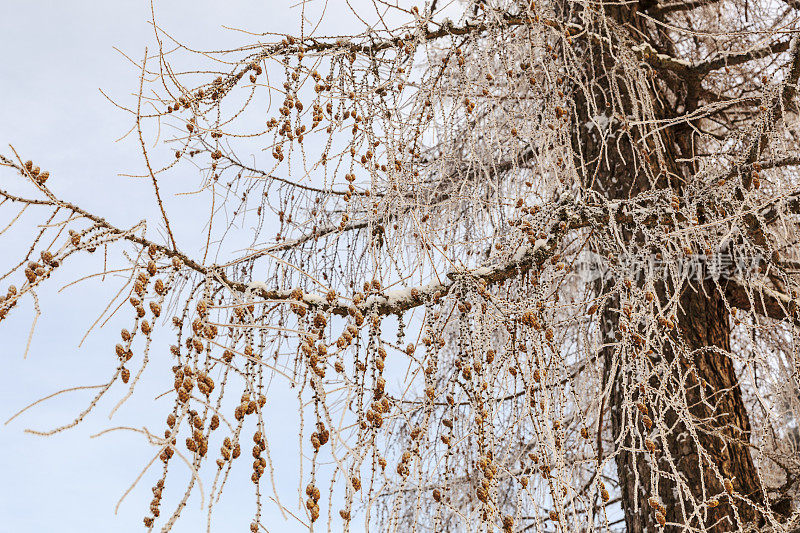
{"x": 686, "y": 473}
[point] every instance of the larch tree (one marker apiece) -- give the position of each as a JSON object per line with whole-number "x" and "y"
{"x": 529, "y": 265}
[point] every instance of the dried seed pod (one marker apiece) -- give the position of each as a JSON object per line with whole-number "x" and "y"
{"x": 728, "y": 484}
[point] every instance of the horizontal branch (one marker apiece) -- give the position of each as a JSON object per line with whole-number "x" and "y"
{"x": 291, "y": 183}
{"x": 644, "y": 51}
{"x": 672, "y": 7}
{"x": 790, "y": 204}
{"x": 101, "y": 222}
{"x": 528, "y": 256}
{"x": 657, "y": 60}
{"x": 731, "y": 60}
{"x": 458, "y": 176}
{"x": 567, "y": 216}
{"x": 765, "y": 301}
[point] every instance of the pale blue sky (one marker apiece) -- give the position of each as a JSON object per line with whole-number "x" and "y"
{"x": 54, "y": 56}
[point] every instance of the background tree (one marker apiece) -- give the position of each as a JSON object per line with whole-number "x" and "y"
{"x": 535, "y": 264}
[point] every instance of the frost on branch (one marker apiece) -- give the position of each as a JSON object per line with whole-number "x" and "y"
{"x": 532, "y": 268}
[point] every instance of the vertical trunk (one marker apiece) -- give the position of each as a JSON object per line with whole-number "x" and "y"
{"x": 715, "y": 403}
{"x": 701, "y": 443}
{"x": 687, "y": 473}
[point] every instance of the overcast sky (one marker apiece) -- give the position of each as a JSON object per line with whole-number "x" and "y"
{"x": 55, "y": 56}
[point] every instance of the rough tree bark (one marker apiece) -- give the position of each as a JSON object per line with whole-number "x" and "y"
{"x": 704, "y": 374}
{"x": 712, "y": 394}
